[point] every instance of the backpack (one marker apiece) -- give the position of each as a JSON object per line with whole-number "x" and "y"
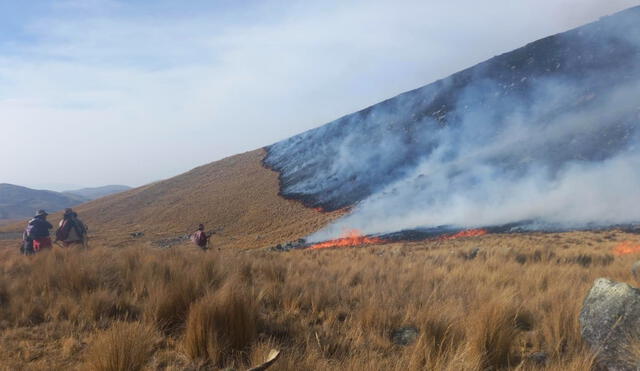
{"x": 62, "y": 233}
{"x": 26, "y": 247}
{"x": 200, "y": 238}
{"x": 29, "y": 231}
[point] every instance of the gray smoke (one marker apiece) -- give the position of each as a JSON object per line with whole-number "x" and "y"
{"x": 546, "y": 135}
{"x": 465, "y": 183}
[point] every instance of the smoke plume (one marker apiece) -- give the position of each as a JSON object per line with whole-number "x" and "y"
{"x": 547, "y": 135}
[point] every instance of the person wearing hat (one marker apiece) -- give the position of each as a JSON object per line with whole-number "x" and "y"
{"x": 200, "y": 237}
{"x": 38, "y": 231}
{"x": 71, "y": 230}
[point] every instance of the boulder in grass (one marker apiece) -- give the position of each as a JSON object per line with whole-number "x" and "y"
{"x": 404, "y": 335}
{"x": 538, "y": 359}
{"x": 610, "y": 324}
{"x": 472, "y": 254}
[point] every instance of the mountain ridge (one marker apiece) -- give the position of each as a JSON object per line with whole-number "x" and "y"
{"x": 531, "y": 120}
{"x": 21, "y": 202}
{"x": 17, "y": 202}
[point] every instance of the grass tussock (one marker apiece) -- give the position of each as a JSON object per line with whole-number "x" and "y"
{"x": 125, "y": 346}
{"x": 337, "y": 309}
{"x": 221, "y": 326}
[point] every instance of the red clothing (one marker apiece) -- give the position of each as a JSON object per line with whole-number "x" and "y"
{"x": 200, "y": 238}
{"x": 41, "y": 243}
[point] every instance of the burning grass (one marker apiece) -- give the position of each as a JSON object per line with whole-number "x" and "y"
{"x": 350, "y": 239}
{"x": 327, "y": 309}
{"x": 354, "y": 238}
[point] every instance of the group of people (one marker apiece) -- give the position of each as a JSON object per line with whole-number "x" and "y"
{"x": 72, "y": 231}
{"x": 37, "y": 236}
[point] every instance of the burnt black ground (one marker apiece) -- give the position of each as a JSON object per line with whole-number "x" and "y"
{"x": 344, "y": 162}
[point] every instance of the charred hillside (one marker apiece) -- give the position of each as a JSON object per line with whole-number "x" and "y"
{"x": 536, "y": 113}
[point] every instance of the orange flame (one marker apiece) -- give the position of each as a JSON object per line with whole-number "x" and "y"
{"x": 626, "y": 248}
{"x": 355, "y": 238}
{"x": 467, "y": 233}
{"x": 350, "y": 238}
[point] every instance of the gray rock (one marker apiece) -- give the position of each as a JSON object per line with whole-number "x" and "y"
{"x": 404, "y": 335}
{"x": 635, "y": 269}
{"x": 473, "y": 253}
{"x": 609, "y": 318}
{"x": 538, "y": 358}
{"x": 299, "y": 244}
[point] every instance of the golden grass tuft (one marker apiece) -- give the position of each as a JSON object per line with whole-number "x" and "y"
{"x": 125, "y": 346}
{"x": 494, "y": 334}
{"x": 331, "y": 309}
{"x": 221, "y": 326}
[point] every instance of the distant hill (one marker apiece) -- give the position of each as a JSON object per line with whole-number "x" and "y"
{"x": 97, "y": 192}
{"x": 18, "y": 202}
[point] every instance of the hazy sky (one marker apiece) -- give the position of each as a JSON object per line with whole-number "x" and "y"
{"x": 96, "y": 92}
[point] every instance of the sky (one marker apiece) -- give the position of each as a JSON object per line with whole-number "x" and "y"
{"x": 96, "y": 92}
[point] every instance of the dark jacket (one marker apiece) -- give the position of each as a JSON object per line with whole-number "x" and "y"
{"x": 71, "y": 229}
{"x": 38, "y": 228}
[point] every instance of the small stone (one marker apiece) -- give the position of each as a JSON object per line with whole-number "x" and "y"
{"x": 538, "y": 358}
{"x": 473, "y": 253}
{"x": 404, "y": 335}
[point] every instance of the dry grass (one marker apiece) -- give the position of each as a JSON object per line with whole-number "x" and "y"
{"x": 326, "y": 309}
{"x": 221, "y": 327}
{"x": 125, "y": 346}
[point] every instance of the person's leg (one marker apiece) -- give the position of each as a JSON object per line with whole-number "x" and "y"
{"x": 46, "y": 243}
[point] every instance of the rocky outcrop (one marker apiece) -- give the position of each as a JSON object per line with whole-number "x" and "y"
{"x": 610, "y": 321}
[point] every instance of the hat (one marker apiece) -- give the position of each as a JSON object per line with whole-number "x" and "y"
{"x": 68, "y": 211}
{"x": 41, "y": 213}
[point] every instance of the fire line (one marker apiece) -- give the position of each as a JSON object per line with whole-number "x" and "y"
{"x": 355, "y": 238}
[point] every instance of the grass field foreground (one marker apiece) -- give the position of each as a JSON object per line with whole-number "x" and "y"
{"x": 329, "y": 309}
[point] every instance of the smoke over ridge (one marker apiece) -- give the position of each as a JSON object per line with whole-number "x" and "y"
{"x": 547, "y": 133}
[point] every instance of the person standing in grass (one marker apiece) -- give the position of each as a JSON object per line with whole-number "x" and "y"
{"x": 38, "y": 231}
{"x": 200, "y": 237}
{"x": 71, "y": 230}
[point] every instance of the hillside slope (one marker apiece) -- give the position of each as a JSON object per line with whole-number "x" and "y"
{"x": 543, "y": 133}
{"x": 236, "y": 195}
{"x": 21, "y": 202}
